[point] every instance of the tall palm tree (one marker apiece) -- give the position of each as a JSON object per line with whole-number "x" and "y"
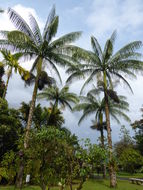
{"x": 59, "y": 96}
{"x": 41, "y": 47}
{"x": 109, "y": 66}
{"x": 93, "y": 105}
{"x": 11, "y": 62}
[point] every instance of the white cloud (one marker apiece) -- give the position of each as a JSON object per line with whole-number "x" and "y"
{"x": 125, "y": 16}
{"x": 6, "y": 24}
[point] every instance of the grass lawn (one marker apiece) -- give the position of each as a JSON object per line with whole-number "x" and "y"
{"x": 91, "y": 185}
{"x": 124, "y": 174}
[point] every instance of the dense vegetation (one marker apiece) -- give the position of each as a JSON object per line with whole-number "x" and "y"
{"x": 34, "y": 140}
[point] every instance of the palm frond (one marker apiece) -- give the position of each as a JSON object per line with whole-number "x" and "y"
{"x": 55, "y": 69}
{"x": 52, "y": 29}
{"x": 35, "y": 29}
{"x": 20, "y": 23}
{"x": 66, "y": 39}
{"x": 50, "y": 18}
{"x": 96, "y": 47}
{"x": 123, "y": 79}
{"x": 108, "y": 51}
{"x": 131, "y": 47}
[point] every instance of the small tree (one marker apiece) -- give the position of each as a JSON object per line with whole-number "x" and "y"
{"x": 131, "y": 160}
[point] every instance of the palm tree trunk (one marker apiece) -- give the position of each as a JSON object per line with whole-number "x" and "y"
{"x": 102, "y": 144}
{"x": 32, "y": 106}
{"x": 6, "y": 86}
{"x": 29, "y": 122}
{"x": 18, "y": 183}
{"x": 112, "y": 173}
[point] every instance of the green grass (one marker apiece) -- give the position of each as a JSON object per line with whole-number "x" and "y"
{"x": 90, "y": 185}
{"x": 124, "y": 174}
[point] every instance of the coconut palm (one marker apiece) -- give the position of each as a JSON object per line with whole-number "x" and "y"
{"x": 109, "y": 66}
{"x": 29, "y": 40}
{"x": 11, "y": 62}
{"x": 59, "y": 96}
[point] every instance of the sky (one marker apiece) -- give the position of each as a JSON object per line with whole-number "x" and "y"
{"x": 94, "y": 17}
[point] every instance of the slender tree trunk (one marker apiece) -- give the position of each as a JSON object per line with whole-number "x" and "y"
{"x": 81, "y": 183}
{"x": 102, "y": 144}
{"x": 6, "y": 86}
{"x": 102, "y": 138}
{"x": 29, "y": 122}
{"x": 112, "y": 173}
{"x": 70, "y": 185}
{"x": 18, "y": 183}
{"x": 32, "y": 105}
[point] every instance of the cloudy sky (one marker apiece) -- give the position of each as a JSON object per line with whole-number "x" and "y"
{"x": 94, "y": 17}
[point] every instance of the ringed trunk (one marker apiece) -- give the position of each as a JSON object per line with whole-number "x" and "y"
{"x": 112, "y": 173}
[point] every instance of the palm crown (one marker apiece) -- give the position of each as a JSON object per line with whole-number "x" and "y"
{"x": 59, "y": 96}
{"x": 30, "y": 41}
{"x": 107, "y": 65}
{"x": 93, "y": 105}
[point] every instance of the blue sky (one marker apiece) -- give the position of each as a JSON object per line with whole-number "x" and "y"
{"x": 94, "y": 17}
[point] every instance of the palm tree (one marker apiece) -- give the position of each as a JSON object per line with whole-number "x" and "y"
{"x": 93, "y": 105}
{"x": 108, "y": 66}
{"x": 59, "y": 96}
{"x": 30, "y": 41}
{"x": 41, "y": 47}
{"x": 11, "y": 62}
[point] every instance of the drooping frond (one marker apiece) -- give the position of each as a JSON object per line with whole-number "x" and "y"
{"x": 55, "y": 69}
{"x": 21, "y": 41}
{"x": 131, "y": 47}
{"x": 123, "y": 79}
{"x": 89, "y": 79}
{"x": 66, "y": 39}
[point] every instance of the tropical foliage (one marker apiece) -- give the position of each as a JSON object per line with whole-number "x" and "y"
{"x": 34, "y": 138}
